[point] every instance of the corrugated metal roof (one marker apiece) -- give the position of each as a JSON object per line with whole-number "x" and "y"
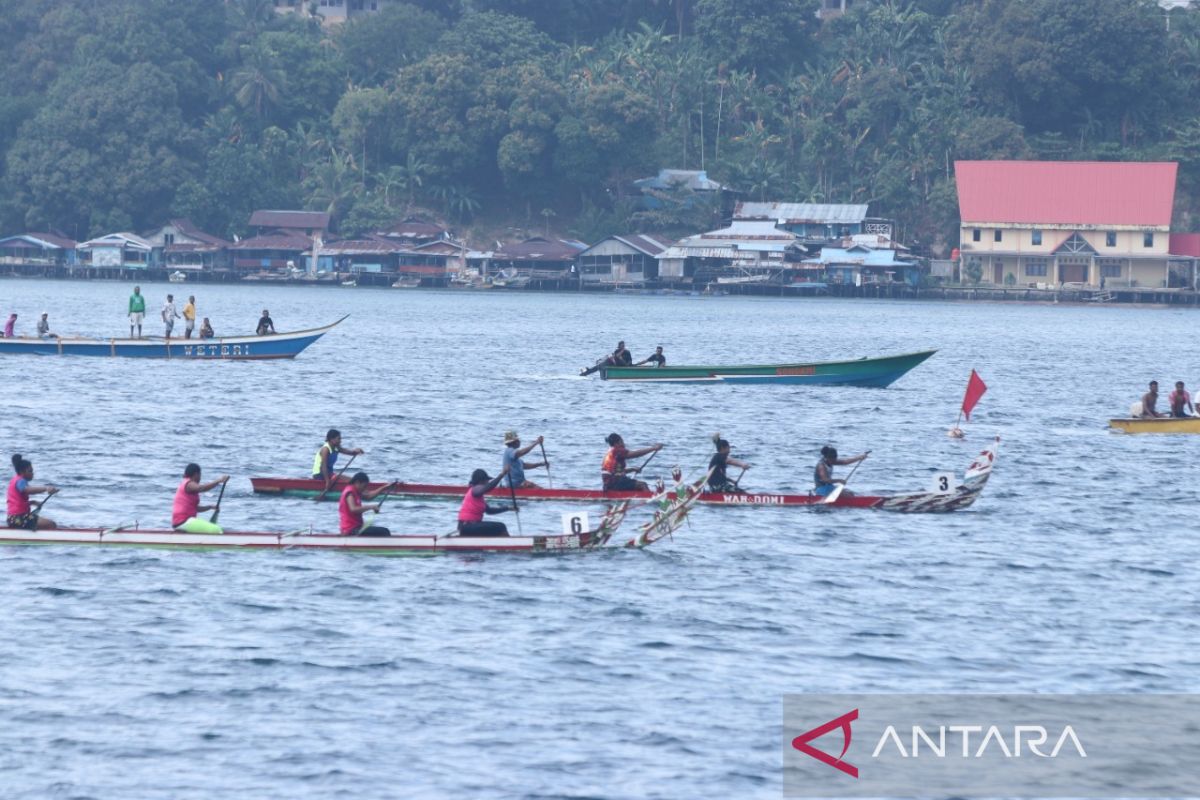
{"x": 274, "y": 242}
{"x": 186, "y": 227}
{"x": 1184, "y": 244}
{"x": 117, "y": 240}
{"x": 858, "y": 256}
{"x": 694, "y": 179}
{"x": 1066, "y": 192}
{"x": 266, "y": 218}
{"x": 539, "y": 249}
{"x": 794, "y": 213}
{"x": 43, "y": 240}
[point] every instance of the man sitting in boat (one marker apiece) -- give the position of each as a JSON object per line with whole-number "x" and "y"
{"x": 20, "y": 512}
{"x": 718, "y": 480}
{"x": 823, "y": 472}
{"x": 206, "y": 331}
{"x": 265, "y": 324}
{"x": 657, "y": 358}
{"x": 514, "y": 466}
{"x": 620, "y": 357}
{"x": 1181, "y": 402}
{"x": 1149, "y": 401}
{"x": 187, "y": 503}
{"x": 351, "y": 507}
{"x": 43, "y": 327}
{"x": 613, "y": 471}
{"x": 475, "y": 505}
{"x": 8, "y": 326}
{"x": 327, "y": 455}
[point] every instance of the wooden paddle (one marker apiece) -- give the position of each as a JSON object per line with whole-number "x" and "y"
{"x": 512, "y": 491}
{"x": 44, "y": 501}
{"x": 375, "y": 514}
{"x": 646, "y": 463}
{"x": 549, "y": 480}
{"x": 837, "y": 490}
{"x": 336, "y": 478}
{"x": 217, "y": 509}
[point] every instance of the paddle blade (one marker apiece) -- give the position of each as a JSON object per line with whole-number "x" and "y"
{"x": 833, "y": 496}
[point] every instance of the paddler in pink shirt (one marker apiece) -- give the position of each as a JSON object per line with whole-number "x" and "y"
{"x": 187, "y": 503}
{"x": 351, "y": 507}
{"x": 20, "y": 511}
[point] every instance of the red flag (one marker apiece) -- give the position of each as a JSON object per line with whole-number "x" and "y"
{"x": 975, "y": 389}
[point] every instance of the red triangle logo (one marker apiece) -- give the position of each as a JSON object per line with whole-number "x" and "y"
{"x": 801, "y": 743}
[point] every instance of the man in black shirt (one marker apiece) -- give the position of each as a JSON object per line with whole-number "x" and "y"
{"x": 718, "y": 480}
{"x": 619, "y": 358}
{"x": 658, "y": 359}
{"x": 266, "y": 324}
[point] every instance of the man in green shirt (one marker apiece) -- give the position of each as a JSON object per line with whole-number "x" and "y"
{"x": 137, "y": 311}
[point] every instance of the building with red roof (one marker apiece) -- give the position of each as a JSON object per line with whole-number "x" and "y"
{"x": 1066, "y": 222}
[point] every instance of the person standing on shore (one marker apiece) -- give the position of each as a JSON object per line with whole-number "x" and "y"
{"x": 137, "y": 311}
{"x": 169, "y": 315}
{"x": 189, "y": 317}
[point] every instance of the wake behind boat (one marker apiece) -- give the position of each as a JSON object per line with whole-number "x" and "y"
{"x": 228, "y": 348}
{"x": 878, "y": 372}
{"x": 953, "y": 498}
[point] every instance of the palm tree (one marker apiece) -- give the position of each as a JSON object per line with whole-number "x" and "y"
{"x": 259, "y": 83}
{"x": 332, "y": 184}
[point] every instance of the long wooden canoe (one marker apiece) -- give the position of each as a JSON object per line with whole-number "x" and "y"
{"x": 878, "y": 372}
{"x": 227, "y": 348}
{"x": 1156, "y": 425}
{"x": 953, "y": 499}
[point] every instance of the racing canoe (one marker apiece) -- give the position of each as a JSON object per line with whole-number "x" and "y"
{"x": 953, "y": 499}
{"x": 227, "y": 348}
{"x": 1156, "y": 425}
{"x": 877, "y": 372}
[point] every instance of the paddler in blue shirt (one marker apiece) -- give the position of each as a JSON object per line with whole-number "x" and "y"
{"x": 327, "y": 455}
{"x": 513, "y": 453}
{"x": 823, "y": 472}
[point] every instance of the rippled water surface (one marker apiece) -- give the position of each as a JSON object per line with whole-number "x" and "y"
{"x": 148, "y": 674}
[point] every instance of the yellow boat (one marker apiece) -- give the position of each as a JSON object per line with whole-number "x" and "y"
{"x": 1157, "y": 425}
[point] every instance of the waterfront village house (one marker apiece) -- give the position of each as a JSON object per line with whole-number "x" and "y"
{"x": 274, "y": 252}
{"x": 748, "y": 251}
{"x": 373, "y": 254}
{"x": 413, "y": 231}
{"x": 37, "y": 249}
{"x": 631, "y": 259}
{"x": 292, "y": 223}
{"x": 180, "y": 245}
{"x": 434, "y": 261}
{"x": 332, "y": 11}
{"x": 116, "y": 251}
{"x": 815, "y": 223}
{"x": 674, "y": 179}
{"x": 860, "y": 265}
{"x": 1031, "y": 223}
{"x": 538, "y": 258}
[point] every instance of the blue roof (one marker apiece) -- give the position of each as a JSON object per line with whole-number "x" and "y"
{"x": 857, "y": 257}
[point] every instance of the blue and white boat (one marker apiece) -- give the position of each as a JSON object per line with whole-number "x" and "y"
{"x": 227, "y": 348}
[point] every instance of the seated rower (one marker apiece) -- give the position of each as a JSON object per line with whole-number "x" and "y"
{"x": 718, "y": 480}
{"x": 187, "y": 503}
{"x": 20, "y": 512}
{"x": 43, "y": 327}
{"x": 514, "y": 466}
{"x": 351, "y": 507}
{"x": 475, "y": 505}
{"x": 823, "y": 472}
{"x": 1181, "y": 402}
{"x": 1149, "y": 401}
{"x": 206, "y": 330}
{"x": 657, "y": 358}
{"x": 614, "y": 473}
{"x": 327, "y": 455}
{"x": 620, "y": 357}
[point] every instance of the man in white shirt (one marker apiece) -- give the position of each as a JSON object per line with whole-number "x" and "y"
{"x": 169, "y": 315}
{"x": 43, "y": 327}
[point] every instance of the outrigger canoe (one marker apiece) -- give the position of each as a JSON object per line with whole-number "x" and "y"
{"x": 227, "y": 348}
{"x": 878, "y": 372}
{"x": 954, "y": 499}
{"x": 1156, "y": 425}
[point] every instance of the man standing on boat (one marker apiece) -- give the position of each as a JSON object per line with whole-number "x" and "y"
{"x": 619, "y": 358}
{"x": 8, "y": 326}
{"x": 351, "y": 507}
{"x": 657, "y": 359}
{"x": 169, "y": 315}
{"x": 265, "y": 324}
{"x": 823, "y": 479}
{"x": 514, "y": 466}
{"x": 613, "y": 472}
{"x": 327, "y": 455}
{"x": 475, "y": 505}
{"x": 1149, "y": 401}
{"x": 137, "y": 311}
{"x": 185, "y": 510}
{"x": 718, "y": 479}
{"x": 20, "y": 511}
{"x": 189, "y": 317}
{"x": 1181, "y": 402}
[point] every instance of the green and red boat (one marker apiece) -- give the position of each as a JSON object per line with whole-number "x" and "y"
{"x": 878, "y": 372}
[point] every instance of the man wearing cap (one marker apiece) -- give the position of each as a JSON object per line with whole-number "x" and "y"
{"x": 514, "y": 466}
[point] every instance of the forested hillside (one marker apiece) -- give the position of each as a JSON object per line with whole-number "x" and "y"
{"x": 117, "y": 114}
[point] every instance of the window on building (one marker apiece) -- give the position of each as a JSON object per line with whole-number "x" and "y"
{"x": 168, "y": 239}
{"x": 1036, "y": 267}
{"x": 998, "y": 235}
{"x": 976, "y": 235}
{"x": 1148, "y": 239}
{"x": 1036, "y": 237}
{"x": 1110, "y": 239}
{"x": 1110, "y": 268}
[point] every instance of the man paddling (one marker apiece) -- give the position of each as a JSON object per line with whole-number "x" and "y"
{"x": 20, "y": 511}
{"x": 327, "y": 455}
{"x": 614, "y": 473}
{"x": 1149, "y": 401}
{"x": 619, "y": 358}
{"x": 475, "y": 505}
{"x": 514, "y": 466}
{"x": 351, "y": 507}
{"x": 137, "y": 311}
{"x": 656, "y": 358}
{"x": 185, "y": 510}
{"x": 823, "y": 472}
{"x": 718, "y": 480}
{"x": 1181, "y": 402}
